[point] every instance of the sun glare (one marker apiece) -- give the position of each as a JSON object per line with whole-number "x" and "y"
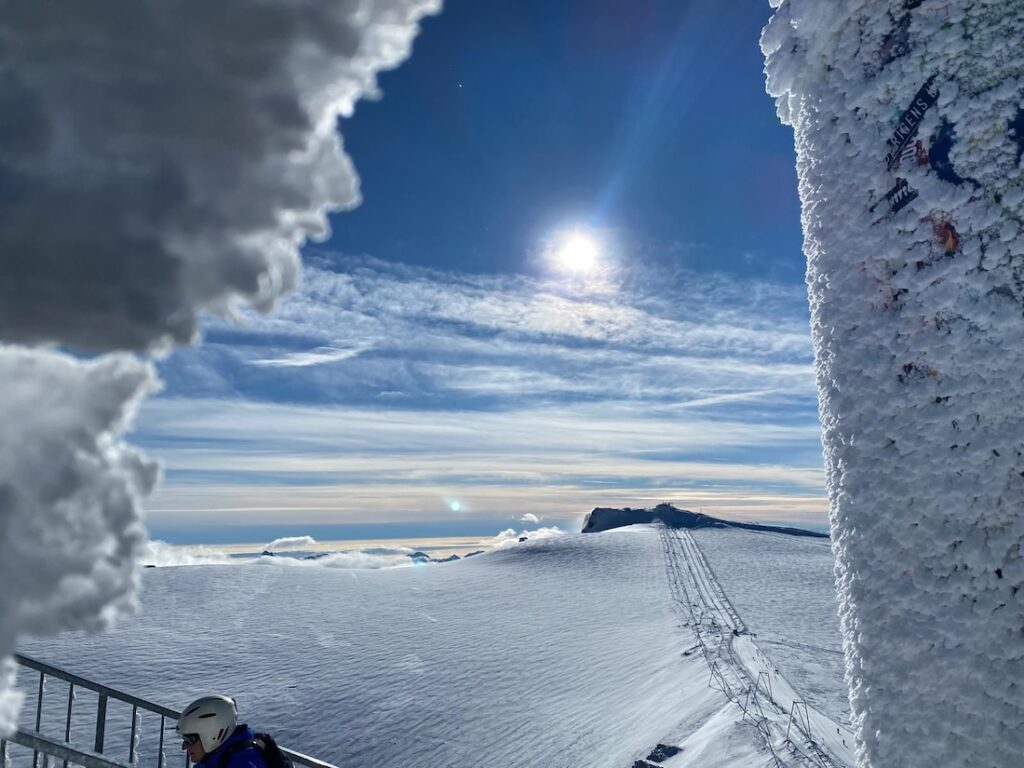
{"x": 577, "y": 252}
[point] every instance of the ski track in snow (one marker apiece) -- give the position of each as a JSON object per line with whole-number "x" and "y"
{"x": 795, "y": 733}
{"x": 567, "y": 652}
{"x": 784, "y": 589}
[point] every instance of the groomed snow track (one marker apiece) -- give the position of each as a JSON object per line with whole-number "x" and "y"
{"x": 794, "y": 733}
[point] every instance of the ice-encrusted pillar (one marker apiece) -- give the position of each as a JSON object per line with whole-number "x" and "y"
{"x": 908, "y": 118}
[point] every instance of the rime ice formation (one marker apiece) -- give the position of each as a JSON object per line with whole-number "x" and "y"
{"x": 70, "y": 531}
{"x": 908, "y": 118}
{"x": 156, "y": 160}
{"x": 174, "y": 155}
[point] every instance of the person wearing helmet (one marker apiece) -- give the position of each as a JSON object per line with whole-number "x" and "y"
{"x": 213, "y": 738}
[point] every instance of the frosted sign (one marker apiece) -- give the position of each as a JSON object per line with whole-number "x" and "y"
{"x": 908, "y": 120}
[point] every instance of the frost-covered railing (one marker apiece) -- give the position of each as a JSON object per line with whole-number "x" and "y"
{"x": 45, "y": 747}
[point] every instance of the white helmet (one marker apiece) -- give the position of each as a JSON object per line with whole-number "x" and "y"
{"x": 211, "y": 718}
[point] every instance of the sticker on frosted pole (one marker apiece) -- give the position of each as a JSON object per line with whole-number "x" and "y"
{"x": 898, "y": 197}
{"x": 910, "y": 121}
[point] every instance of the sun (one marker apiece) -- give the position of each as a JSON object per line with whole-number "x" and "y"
{"x": 577, "y": 252}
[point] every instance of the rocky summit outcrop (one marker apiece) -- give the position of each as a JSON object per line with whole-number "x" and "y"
{"x": 606, "y": 518}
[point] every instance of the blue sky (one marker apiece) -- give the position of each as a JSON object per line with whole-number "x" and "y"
{"x": 444, "y": 371}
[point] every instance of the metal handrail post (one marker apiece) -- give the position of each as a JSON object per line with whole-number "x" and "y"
{"x": 160, "y": 747}
{"x": 39, "y": 714}
{"x": 104, "y": 693}
{"x": 131, "y": 737}
{"x": 101, "y": 723}
{"x": 40, "y": 743}
{"x": 67, "y": 722}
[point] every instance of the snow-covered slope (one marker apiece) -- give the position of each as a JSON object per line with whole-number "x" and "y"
{"x": 784, "y": 589}
{"x": 570, "y": 651}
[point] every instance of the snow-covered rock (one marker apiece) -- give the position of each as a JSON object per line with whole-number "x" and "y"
{"x": 607, "y": 518}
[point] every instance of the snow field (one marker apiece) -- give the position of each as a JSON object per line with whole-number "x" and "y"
{"x": 559, "y": 652}
{"x": 784, "y": 588}
{"x": 795, "y": 733}
{"x": 570, "y": 651}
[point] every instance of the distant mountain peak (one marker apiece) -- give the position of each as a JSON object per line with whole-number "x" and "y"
{"x": 606, "y": 518}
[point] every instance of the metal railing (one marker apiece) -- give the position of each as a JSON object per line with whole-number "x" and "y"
{"x": 47, "y": 747}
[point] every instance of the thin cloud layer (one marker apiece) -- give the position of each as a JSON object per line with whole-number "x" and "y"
{"x": 512, "y": 394}
{"x": 371, "y": 333}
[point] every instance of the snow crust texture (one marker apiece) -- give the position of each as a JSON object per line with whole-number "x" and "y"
{"x": 156, "y": 160}
{"x": 908, "y": 118}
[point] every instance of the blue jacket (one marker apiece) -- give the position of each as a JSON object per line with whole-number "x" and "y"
{"x": 247, "y": 757}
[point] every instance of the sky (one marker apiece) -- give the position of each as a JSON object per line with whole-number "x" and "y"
{"x": 447, "y": 366}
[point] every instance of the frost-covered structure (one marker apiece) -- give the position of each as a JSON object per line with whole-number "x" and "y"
{"x": 909, "y": 126}
{"x": 156, "y": 160}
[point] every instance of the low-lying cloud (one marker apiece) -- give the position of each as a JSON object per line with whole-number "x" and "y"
{"x": 161, "y": 554}
{"x": 290, "y": 543}
{"x": 509, "y": 537}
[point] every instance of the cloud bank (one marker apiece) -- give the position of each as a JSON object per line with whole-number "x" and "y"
{"x": 676, "y": 386}
{"x": 163, "y": 555}
{"x": 157, "y": 160}
{"x": 290, "y": 542}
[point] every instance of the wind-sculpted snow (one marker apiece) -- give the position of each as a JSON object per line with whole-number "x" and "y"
{"x": 564, "y": 652}
{"x": 908, "y": 129}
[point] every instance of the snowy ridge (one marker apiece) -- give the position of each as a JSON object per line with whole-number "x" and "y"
{"x": 795, "y": 733}
{"x": 607, "y": 518}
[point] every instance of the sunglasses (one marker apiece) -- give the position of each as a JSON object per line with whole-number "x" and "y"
{"x": 188, "y": 739}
